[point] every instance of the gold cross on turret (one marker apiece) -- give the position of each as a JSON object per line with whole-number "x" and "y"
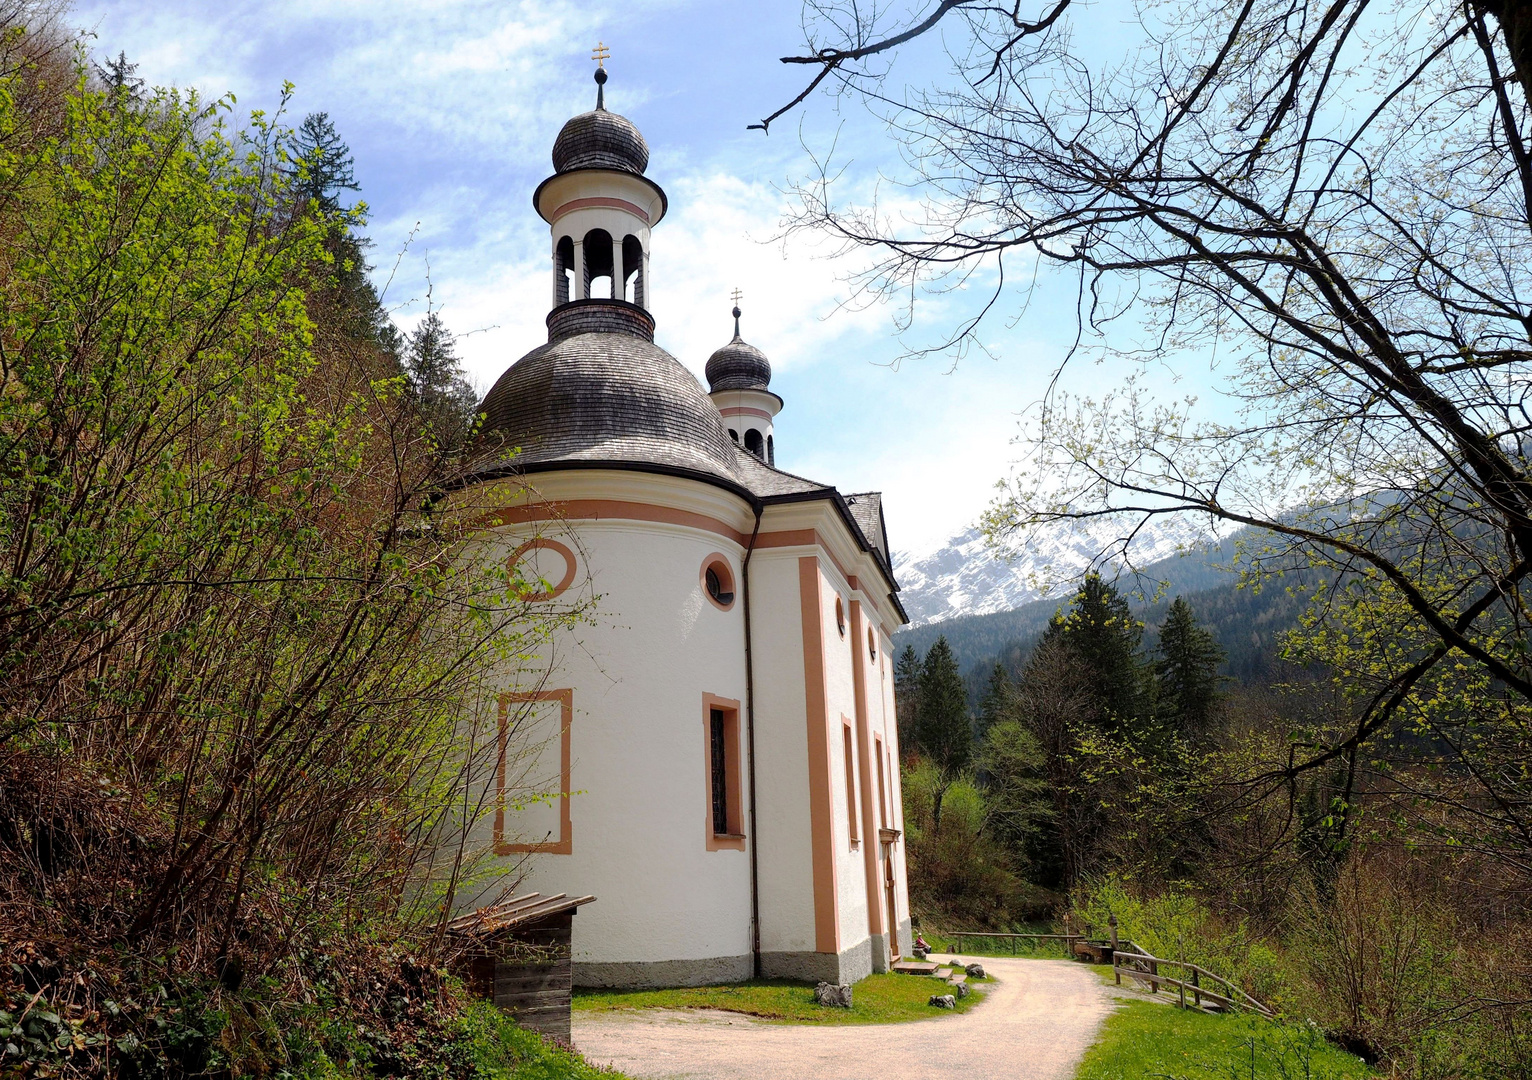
{"x": 600, "y": 54}
{"x": 737, "y": 295}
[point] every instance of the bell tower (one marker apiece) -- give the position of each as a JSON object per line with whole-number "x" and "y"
{"x": 600, "y": 206}
{"x": 739, "y": 380}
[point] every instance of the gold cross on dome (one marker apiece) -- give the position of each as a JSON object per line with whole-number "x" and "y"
{"x": 737, "y": 295}
{"x": 601, "y": 54}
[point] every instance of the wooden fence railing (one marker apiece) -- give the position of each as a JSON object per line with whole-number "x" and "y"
{"x": 1194, "y": 981}
{"x": 957, "y": 939}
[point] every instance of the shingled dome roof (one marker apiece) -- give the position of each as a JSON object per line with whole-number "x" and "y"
{"x": 738, "y": 366}
{"x": 602, "y": 391}
{"x": 600, "y": 140}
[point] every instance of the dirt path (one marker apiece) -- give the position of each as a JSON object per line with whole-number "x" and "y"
{"x": 1034, "y": 1024}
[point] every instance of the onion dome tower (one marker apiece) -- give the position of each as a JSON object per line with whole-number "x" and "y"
{"x": 600, "y": 207}
{"x": 739, "y": 376}
{"x": 601, "y": 392}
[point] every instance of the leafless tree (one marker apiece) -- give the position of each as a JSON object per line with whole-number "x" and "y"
{"x": 1332, "y": 198}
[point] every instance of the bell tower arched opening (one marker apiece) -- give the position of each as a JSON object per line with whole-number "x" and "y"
{"x": 563, "y": 271}
{"x": 599, "y": 268}
{"x": 633, "y": 270}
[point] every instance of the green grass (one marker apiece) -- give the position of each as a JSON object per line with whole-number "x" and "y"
{"x": 1147, "y": 1040}
{"x": 503, "y": 1051}
{"x": 877, "y": 999}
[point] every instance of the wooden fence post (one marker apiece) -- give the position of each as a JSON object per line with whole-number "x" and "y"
{"x": 1197, "y": 986}
{"x": 1154, "y": 970}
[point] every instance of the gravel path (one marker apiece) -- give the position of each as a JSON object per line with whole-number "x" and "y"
{"x": 1034, "y": 1024}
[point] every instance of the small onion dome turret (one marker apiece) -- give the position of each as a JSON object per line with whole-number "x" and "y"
{"x": 738, "y": 366}
{"x": 600, "y": 140}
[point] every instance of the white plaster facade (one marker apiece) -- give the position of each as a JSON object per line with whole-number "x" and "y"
{"x": 799, "y": 873}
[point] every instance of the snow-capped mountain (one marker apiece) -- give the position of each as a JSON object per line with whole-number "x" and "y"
{"x": 963, "y": 577}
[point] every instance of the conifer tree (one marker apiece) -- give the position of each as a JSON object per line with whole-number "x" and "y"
{"x": 436, "y": 377}
{"x": 1100, "y": 631}
{"x": 907, "y": 694}
{"x": 1187, "y": 673}
{"x": 323, "y": 166}
{"x": 996, "y": 704}
{"x": 943, "y": 730}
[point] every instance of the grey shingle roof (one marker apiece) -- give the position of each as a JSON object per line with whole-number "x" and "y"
{"x": 738, "y": 366}
{"x": 601, "y": 390}
{"x": 765, "y": 481}
{"x": 602, "y": 394}
{"x": 867, "y": 511}
{"x": 600, "y": 140}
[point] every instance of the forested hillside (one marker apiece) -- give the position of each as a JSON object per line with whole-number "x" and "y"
{"x": 1247, "y": 619}
{"x": 237, "y": 645}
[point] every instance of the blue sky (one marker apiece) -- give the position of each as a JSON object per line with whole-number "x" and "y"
{"x": 451, "y": 108}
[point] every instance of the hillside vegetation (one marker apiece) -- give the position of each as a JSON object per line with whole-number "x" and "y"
{"x": 237, "y": 646}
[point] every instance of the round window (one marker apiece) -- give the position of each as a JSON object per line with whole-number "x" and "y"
{"x": 840, "y": 617}
{"x": 718, "y": 581}
{"x": 872, "y": 644}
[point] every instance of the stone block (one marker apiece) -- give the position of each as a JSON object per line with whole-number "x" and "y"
{"x": 830, "y": 994}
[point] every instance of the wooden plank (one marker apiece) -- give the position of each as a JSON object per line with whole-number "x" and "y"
{"x": 916, "y": 967}
{"x": 533, "y": 999}
{"x": 524, "y": 985}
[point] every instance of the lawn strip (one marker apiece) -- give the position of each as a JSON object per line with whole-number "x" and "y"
{"x": 877, "y": 999}
{"x": 1143, "y": 1039}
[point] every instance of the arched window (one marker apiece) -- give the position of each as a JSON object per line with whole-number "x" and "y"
{"x": 598, "y": 264}
{"x": 771, "y": 450}
{"x": 632, "y": 270}
{"x": 734, "y": 435}
{"x": 564, "y": 270}
{"x": 755, "y": 444}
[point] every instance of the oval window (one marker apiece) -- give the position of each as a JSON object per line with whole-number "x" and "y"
{"x": 840, "y": 617}
{"x": 543, "y": 568}
{"x": 872, "y": 644}
{"x": 718, "y": 581}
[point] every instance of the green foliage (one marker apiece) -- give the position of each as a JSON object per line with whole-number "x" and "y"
{"x": 959, "y": 869}
{"x": 878, "y": 999}
{"x": 1099, "y": 630}
{"x": 447, "y": 399}
{"x": 322, "y": 164}
{"x": 1016, "y": 794}
{"x": 1174, "y": 925}
{"x": 1143, "y": 1040}
{"x": 997, "y": 702}
{"x": 943, "y": 729}
{"x": 240, "y": 664}
{"x": 1186, "y": 673}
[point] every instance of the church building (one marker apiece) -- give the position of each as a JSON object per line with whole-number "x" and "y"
{"x": 721, "y": 731}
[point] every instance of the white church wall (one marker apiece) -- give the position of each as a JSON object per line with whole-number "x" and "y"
{"x": 786, "y": 872}
{"x": 638, "y": 804}
{"x": 840, "y": 659}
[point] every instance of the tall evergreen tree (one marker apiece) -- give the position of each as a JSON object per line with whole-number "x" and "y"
{"x": 943, "y": 730}
{"x": 1100, "y": 631}
{"x": 1187, "y": 673}
{"x": 436, "y": 378}
{"x": 323, "y": 166}
{"x": 996, "y": 704}
{"x": 906, "y": 694}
